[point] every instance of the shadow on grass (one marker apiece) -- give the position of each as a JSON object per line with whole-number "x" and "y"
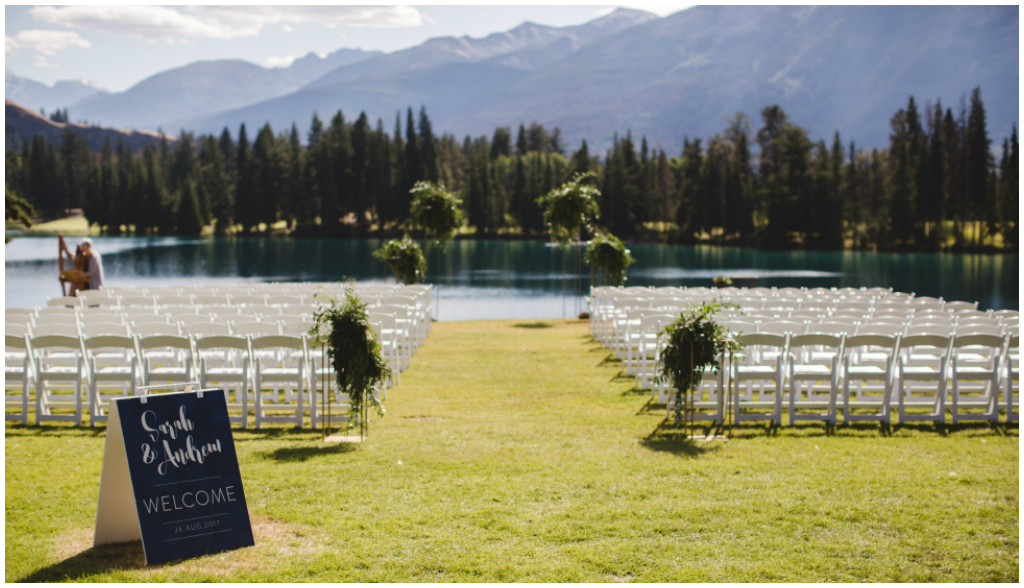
{"x": 536, "y": 325}
{"x": 97, "y": 560}
{"x": 649, "y": 407}
{"x": 301, "y": 454}
{"x": 669, "y": 439}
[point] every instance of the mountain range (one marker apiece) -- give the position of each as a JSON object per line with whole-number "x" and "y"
{"x": 21, "y": 124}
{"x": 845, "y": 68}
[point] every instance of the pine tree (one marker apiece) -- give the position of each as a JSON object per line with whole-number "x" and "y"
{"x": 978, "y": 160}
{"x": 268, "y": 176}
{"x": 501, "y": 143}
{"x": 245, "y": 185}
{"x": 900, "y": 179}
{"x": 187, "y": 215}
{"x": 428, "y": 148}
{"x": 1009, "y": 182}
{"x": 217, "y": 185}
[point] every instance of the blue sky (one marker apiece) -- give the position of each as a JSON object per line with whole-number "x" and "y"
{"x": 120, "y": 45}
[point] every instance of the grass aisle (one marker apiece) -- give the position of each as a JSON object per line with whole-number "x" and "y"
{"x": 514, "y": 451}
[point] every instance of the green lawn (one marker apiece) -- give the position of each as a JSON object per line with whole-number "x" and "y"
{"x": 514, "y": 451}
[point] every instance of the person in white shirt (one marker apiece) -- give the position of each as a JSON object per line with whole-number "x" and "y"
{"x": 93, "y": 265}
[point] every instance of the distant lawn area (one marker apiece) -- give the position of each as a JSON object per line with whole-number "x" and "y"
{"x": 514, "y": 451}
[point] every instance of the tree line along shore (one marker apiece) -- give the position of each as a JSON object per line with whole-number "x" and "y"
{"x": 939, "y": 185}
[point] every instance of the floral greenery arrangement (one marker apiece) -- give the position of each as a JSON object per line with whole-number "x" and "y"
{"x": 694, "y": 342}
{"x": 723, "y": 281}
{"x": 436, "y": 210}
{"x": 354, "y": 353}
{"x": 570, "y": 207}
{"x": 405, "y": 258}
{"x": 606, "y": 252}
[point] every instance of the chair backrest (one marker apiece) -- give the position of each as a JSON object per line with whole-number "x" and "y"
{"x": 12, "y": 341}
{"x": 930, "y": 329}
{"x": 979, "y": 329}
{"x": 782, "y": 327}
{"x": 169, "y": 300}
{"x": 763, "y": 340}
{"x": 97, "y": 329}
{"x": 923, "y": 340}
{"x": 150, "y": 329}
{"x": 222, "y": 342}
{"x": 254, "y": 328}
{"x": 191, "y": 319}
{"x": 18, "y": 311}
{"x": 218, "y": 310}
{"x": 210, "y": 300}
{"x": 296, "y": 328}
{"x": 961, "y": 305}
{"x": 41, "y": 342}
{"x": 830, "y": 329}
{"x": 738, "y": 326}
{"x": 260, "y": 309}
{"x": 817, "y": 340}
{"x": 162, "y": 341}
{"x": 57, "y": 319}
{"x": 101, "y": 317}
{"x": 983, "y": 340}
{"x": 205, "y": 329}
{"x": 108, "y": 342}
{"x": 65, "y": 330}
{"x": 64, "y": 301}
{"x": 873, "y": 328}
{"x": 883, "y": 341}
{"x": 130, "y": 300}
{"x": 180, "y": 311}
{"x": 249, "y": 299}
{"x": 284, "y": 299}
{"x": 17, "y": 329}
{"x": 278, "y": 341}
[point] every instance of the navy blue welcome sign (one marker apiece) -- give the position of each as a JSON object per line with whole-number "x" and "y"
{"x": 184, "y": 474}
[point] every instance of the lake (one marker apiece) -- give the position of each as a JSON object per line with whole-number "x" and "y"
{"x": 490, "y": 279}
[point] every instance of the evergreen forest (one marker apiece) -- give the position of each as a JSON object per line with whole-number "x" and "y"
{"x": 939, "y": 185}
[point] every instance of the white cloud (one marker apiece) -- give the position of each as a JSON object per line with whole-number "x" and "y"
{"x": 45, "y": 42}
{"x": 40, "y": 61}
{"x": 280, "y": 61}
{"x": 287, "y": 28}
{"x": 219, "y": 22}
{"x": 662, "y": 8}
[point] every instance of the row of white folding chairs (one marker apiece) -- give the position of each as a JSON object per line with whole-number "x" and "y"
{"x": 413, "y": 320}
{"x": 642, "y": 327}
{"x": 270, "y": 374}
{"x": 394, "y": 335}
{"x": 972, "y": 377}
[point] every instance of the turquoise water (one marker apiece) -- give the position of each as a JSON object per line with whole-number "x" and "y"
{"x": 505, "y": 279}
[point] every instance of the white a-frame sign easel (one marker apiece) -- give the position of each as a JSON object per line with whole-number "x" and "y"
{"x": 116, "y": 517}
{"x": 170, "y": 476}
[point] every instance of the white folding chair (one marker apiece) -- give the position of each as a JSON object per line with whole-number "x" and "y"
{"x": 18, "y": 375}
{"x": 279, "y": 379}
{"x": 166, "y": 359}
{"x": 762, "y": 363}
{"x": 112, "y": 362}
{"x": 868, "y": 361}
{"x": 813, "y": 373}
{"x": 324, "y": 391}
{"x": 228, "y": 368}
{"x": 1011, "y": 377}
{"x": 975, "y": 376}
{"x": 923, "y": 363}
{"x": 58, "y": 383}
